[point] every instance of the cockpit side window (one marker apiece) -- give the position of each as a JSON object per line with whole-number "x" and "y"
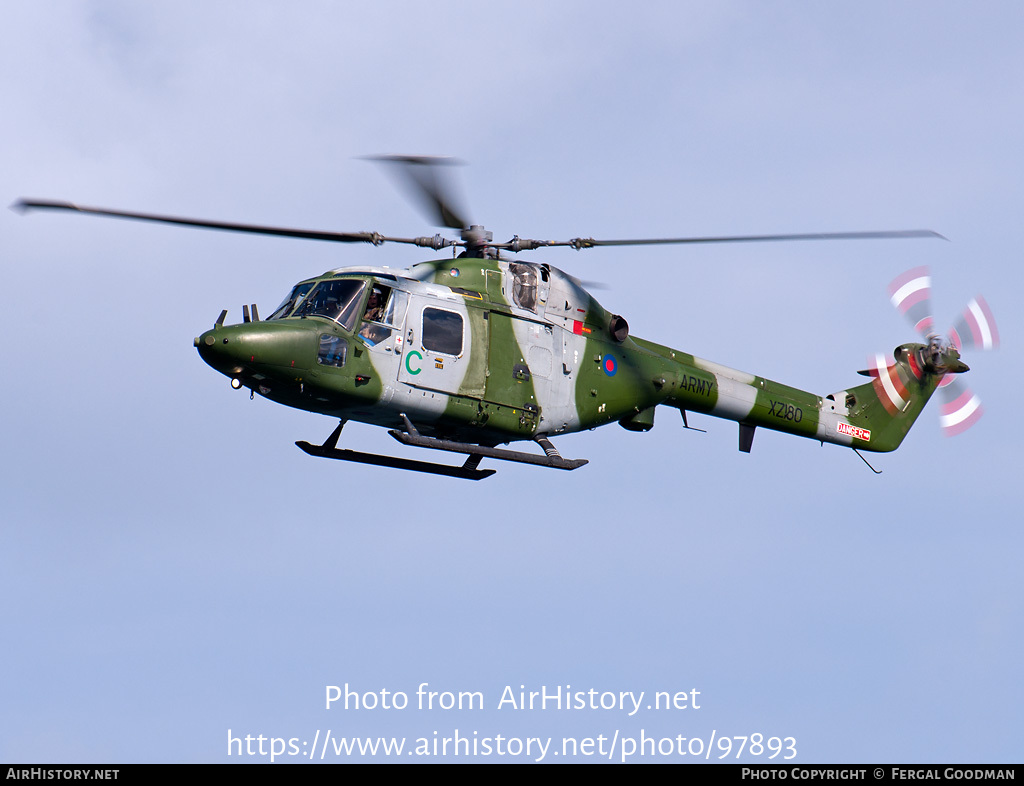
{"x": 372, "y": 331}
{"x": 376, "y": 304}
{"x": 385, "y": 310}
{"x": 337, "y": 299}
{"x": 394, "y": 313}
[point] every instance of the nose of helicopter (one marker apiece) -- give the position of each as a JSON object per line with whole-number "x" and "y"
{"x": 257, "y": 347}
{"x": 216, "y": 349}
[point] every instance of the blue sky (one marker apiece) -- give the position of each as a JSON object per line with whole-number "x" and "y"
{"x": 173, "y": 567}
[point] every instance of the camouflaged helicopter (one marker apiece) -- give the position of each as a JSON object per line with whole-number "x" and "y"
{"x": 479, "y": 350}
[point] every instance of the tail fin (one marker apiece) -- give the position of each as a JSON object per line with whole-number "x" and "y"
{"x": 884, "y": 409}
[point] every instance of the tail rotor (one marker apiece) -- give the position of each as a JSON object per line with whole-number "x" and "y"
{"x": 910, "y": 293}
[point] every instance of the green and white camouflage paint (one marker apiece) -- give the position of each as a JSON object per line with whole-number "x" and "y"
{"x": 487, "y": 351}
{"x": 468, "y": 353}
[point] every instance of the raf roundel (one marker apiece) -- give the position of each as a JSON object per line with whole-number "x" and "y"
{"x": 610, "y": 365}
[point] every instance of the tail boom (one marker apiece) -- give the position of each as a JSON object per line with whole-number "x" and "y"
{"x": 873, "y": 417}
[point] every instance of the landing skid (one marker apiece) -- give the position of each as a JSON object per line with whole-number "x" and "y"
{"x": 329, "y": 449}
{"x": 551, "y": 458}
{"x": 468, "y": 471}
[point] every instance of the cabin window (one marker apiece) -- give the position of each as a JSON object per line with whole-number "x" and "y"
{"x": 524, "y": 285}
{"x": 442, "y": 331}
{"x": 332, "y": 352}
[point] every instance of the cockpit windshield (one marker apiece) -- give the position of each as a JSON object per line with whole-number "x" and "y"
{"x": 337, "y": 299}
{"x": 299, "y": 291}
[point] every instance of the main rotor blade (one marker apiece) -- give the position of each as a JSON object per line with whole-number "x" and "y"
{"x": 419, "y": 176}
{"x": 308, "y": 234}
{"x": 589, "y": 242}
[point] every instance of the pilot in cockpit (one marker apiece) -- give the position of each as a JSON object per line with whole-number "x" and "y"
{"x": 374, "y": 333}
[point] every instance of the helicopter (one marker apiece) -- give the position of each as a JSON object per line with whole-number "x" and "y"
{"x": 479, "y": 350}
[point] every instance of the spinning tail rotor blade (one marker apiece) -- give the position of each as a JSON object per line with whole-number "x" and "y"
{"x": 960, "y": 408}
{"x": 976, "y": 328}
{"x": 911, "y": 294}
{"x": 889, "y": 387}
